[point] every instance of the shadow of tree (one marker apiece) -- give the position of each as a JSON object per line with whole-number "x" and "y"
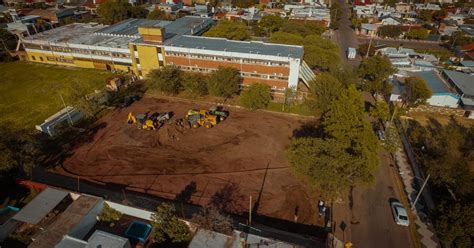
{"x": 187, "y": 192}
{"x": 228, "y": 199}
{"x": 308, "y": 129}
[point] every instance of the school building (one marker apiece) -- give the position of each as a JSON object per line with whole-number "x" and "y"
{"x": 138, "y": 46}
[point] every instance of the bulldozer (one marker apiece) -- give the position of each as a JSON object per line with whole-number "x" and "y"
{"x": 198, "y": 118}
{"x": 149, "y": 122}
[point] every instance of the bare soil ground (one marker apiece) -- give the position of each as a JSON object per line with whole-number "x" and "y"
{"x": 242, "y": 156}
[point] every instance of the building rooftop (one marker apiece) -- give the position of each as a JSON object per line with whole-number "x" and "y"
{"x": 463, "y": 81}
{"x": 81, "y": 34}
{"x": 467, "y": 63}
{"x": 65, "y": 222}
{"x": 104, "y": 239}
{"x": 120, "y": 34}
{"x": 220, "y": 44}
{"x": 434, "y": 81}
{"x": 40, "y": 206}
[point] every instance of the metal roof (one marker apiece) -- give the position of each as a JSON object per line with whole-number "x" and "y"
{"x": 463, "y": 81}
{"x": 467, "y": 63}
{"x": 434, "y": 81}
{"x": 220, "y": 44}
{"x": 107, "y": 240}
{"x": 40, "y": 206}
{"x": 71, "y": 242}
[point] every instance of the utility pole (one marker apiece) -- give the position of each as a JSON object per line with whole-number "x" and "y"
{"x": 250, "y": 211}
{"x": 419, "y": 193}
{"x": 368, "y": 48}
{"x": 67, "y": 111}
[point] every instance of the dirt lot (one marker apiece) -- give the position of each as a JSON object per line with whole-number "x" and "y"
{"x": 244, "y": 155}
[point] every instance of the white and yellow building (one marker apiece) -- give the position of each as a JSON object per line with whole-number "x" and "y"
{"x": 138, "y": 46}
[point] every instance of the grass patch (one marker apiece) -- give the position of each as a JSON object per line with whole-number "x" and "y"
{"x": 425, "y": 118}
{"x": 300, "y": 109}
{"x": 30, "y": 92}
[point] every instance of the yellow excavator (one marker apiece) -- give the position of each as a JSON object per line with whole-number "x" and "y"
{"x": 148, "y": 122}
{"x": 198, "y": 118}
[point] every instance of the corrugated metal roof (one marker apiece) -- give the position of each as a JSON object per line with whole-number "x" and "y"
{"x": 40, "y": 206}
{"x": 220, "y": 44}
{"x": 104, "y": 239}
{"x": 434, "y": 81}
{"x": 465, "y": 82}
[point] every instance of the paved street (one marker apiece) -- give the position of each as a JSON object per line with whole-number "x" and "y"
{"x": 345, "y": 36}
{"x": 370, "y": 222}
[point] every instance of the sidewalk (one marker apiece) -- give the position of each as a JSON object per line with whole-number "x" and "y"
{"x": 423, "y": 225}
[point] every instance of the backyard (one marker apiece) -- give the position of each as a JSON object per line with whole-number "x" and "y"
{"x": 30, "y": 92}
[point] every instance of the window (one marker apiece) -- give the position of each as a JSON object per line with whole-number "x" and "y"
{"x": 137, "y": 61}
{"x": 135, "y": 48}
{"x": 160, "y": 63}
{"x": 41, "y": 58}
{"x": 33, "y": 58}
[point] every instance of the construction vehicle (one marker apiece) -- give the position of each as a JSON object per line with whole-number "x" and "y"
{"x": 197, "y": 118}
{"x": 149, "y": 122}
{"x": 219, "y": 112}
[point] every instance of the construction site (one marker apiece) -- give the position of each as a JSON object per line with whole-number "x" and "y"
{"x": 232, "y": 157}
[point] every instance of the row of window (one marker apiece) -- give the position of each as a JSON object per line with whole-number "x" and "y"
{"x": 243, "y": 74}
{"x": 228, "y": 59}
{"x": 60, "y": 59}
{"x": 77, "y": 50}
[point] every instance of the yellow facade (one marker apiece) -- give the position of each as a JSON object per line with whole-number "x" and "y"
{"x": 147, "y": 58}
{"x": 48, "y": 57}
{"x": 151, "y": 31}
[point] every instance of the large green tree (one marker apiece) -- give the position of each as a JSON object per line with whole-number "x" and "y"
{"x": 19, "y": 151}
{"x": 271, "y": 23}
{"x": 391, "y": 31}
{"x": 324, "y": 164}
{"x": 374, "y": 72}
{"x": 194, "y": 84}
{"x": 113, "y": 11}
{"x": 167, "y": 226}
{"x": 416, "y": 91}
{"x": 256, "y": 96}
{"x": 166, "y": 79}
{"x": 229, "y": 30}
{"x": 224, "y": 82}
{"x": 324, "y": 89}
{"x": 453, "y": 224}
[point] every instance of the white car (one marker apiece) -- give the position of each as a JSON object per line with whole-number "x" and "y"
{"x": 399, "y": 214}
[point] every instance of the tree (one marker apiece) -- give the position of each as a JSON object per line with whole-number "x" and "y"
{"x": 256, "y": 96}
{"x": 167, "y": 226}
{"x": 109, "y": 214}
{"x": 454, "y": 224}
{"x": 271, "y": 23}
{"x": 194, "y": 84}
{"x": 391, "y": 31}
{"x": 19, "y": 151}
{"x": 229, "y": 30}
{"x": 324, "y": 89}
{"x": 374, "y": 72}
{"x": 158, "y": 14}
{"x": 459, "y": 39}
{"x": 426, "y": 15}
{"x": 224, "y": 82}
{"x": 347, "y": 122}
{"x": 210, "y": 218}
{"x": 166, "y": 79}
{"x": 363, "y": 50}
{"x": 380, "y": 111}
{"x": 418, "y": 34}
{"x": 416, "y": 91}
{"x": 336, "y": 13}
{"x": 318, "y": 52}
{"x": 7, "y": 43}
{"x": 324, "y": 164}
{"x": 303, "y": 29}
{"x": 113, "y": 11}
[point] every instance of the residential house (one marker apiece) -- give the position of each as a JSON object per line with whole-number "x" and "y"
{"x": 368, "y": 29}
{"x": 442, "y": 95}
{"x": 465, "y": 52}
{"x": 53, "y": 15}
{"x": 463, "y": 83}
{"x": 390, "y": 20}
{"x": 468, "y": 29}
{"x": 427, "y": 6}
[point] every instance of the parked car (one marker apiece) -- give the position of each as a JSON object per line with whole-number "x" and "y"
{"x": 381, "y": 135}
{"x": 399, "y": 213}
